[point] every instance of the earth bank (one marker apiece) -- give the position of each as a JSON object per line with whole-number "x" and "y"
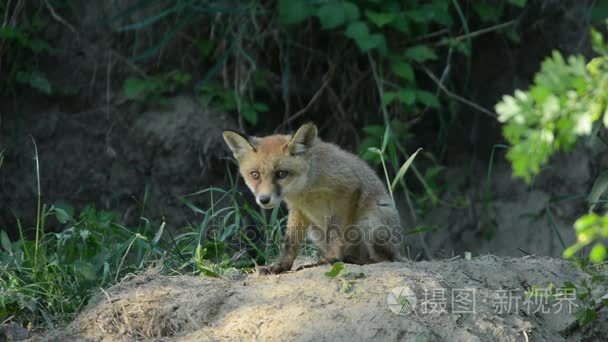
{"x": 361, "y": 303}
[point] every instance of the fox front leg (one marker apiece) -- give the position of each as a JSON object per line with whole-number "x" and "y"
{"x": 295, "y": 236}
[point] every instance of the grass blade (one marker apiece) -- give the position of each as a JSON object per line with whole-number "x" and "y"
{"x": 189, "y": 19}
{"x": 151, "y": 20}
{"x": 600, "y": 186}
{"x": 404, "y": 169}
{"x": 138, "y": 6}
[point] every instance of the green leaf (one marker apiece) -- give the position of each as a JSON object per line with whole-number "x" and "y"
{"x": 134, "y": 87}
{"x": 518, "y": 3}
{"x": 260, "y": 78}
{"x": 420, "y": 53}
{"x": 428, "y": 99}
{"x": 597, "y": 42}
{"x": 357, "y": 31}
{"x": 159, "y": 233}
{"x": 5, "y": 242}
{"x": 488, "y": 12}
{"x": 374, "y": 130}
{"x": 600, "y": 186}
{"x": 406, "y": 96}
{"x": 179, "y": 77}
{"x": 598, "y": 253}
{"x": 250, "y": 115}
{"x": 375, "y": 150}
{"x": 586, "y": 222}
{"x": 512, "y": 34}
{"x": 421, "y": 16}
{"x": 13, "y": 34}
{"x": 463, "y": 47}
{"x": 376, "y": 41}
{"x": 86, "y": 269}
{"x": 205, "y": 47}
{"x": 540, "y": 93}
{"x": 403, "y": 70}
{"x": 388, "y": 97}
{"x": 586, "y": 316}
{"x": 385, "y": 138}
{"x": 351, "y": 11}
{"x": 401, "y": 24}
{"x": 63, "y": 215}
{"x": 570, "y": 251}
{"x": 199, "y": 254}
{"x": 331, "y": 15}
{"x": 260, "y": 107}
{"x": 38, "y": 46}
{"x": 334, "y": 14}
{"x": 599, "y": 12}
{"x": 380, "y": 19}
{"x": 346, "y": 285}
{"x": 209, "y": 273}
{"x": 106, "y": 272}
{"x": 422, "y": 229}
{"x": 335, "y": 270}
{"x": 39, "y": 82}
{"x": 403, "y": 169}
{"x": 213, "y": 249}
{"x": 294, "y": 11}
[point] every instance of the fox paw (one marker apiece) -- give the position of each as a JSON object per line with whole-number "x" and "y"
{"x": 303, "y": 267}
{"x": 266, "y": 270}
{"x": 322, "y": 261}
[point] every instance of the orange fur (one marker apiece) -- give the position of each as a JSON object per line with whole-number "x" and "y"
{"x": 333, "y": 197}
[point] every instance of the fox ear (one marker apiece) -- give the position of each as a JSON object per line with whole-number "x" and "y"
{"x": 238, "y": 144}
{"x": 302, "y": 139}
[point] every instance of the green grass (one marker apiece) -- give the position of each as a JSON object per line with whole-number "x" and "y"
{"x": 47, "y": 279}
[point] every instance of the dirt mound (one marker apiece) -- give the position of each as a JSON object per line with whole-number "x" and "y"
{"x": 361, "y": 302}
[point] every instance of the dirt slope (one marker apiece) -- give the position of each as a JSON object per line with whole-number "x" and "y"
{"x": 356, "y": 305}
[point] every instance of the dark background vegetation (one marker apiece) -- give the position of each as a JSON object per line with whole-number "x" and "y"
{"x": 126, "y": 101}
{"x": 65, "y": 83}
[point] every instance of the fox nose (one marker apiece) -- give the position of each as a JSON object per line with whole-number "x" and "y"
{"x": 264, "y": 199}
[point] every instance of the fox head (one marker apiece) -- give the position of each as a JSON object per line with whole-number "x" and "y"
{"x": 274, "y": 166}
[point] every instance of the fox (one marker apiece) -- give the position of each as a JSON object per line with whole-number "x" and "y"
{"x": 334, "y": 199}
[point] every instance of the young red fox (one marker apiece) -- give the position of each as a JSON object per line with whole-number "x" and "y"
{"x": 334, "y": 198}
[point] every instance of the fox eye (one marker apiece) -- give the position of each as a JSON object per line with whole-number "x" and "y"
{"x": 282, "y": 174}
{"x": 254, "y": 174}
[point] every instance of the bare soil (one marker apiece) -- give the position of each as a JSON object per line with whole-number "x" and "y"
{"x": 359, "y": 304}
